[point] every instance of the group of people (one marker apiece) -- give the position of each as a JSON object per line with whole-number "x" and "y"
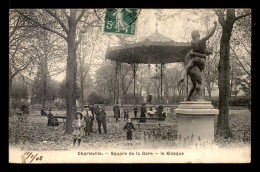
{"x": 116, "y": 111}
{"x": 83, "y": 123}
{"x": 158, "y": 112}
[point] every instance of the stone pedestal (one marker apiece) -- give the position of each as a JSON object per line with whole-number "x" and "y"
{"x": 196, "y": 120}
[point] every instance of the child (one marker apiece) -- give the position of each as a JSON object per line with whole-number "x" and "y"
{"x": 129, "y": 127}
{"x": 78, "y": 125}
{"x": 126, "y": 115}
{"x": 198, "y": 53}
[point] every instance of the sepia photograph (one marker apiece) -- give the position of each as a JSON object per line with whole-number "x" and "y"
{"x": 129, "y": 85}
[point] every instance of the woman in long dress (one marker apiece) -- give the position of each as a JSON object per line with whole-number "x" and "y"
{"x": 88, "y": 119}
{"x": 143, "y": 113}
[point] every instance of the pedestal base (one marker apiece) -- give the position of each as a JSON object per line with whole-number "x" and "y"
{"x": 196, "y": 120}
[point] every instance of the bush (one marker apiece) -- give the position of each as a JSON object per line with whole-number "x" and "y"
{"x": 95, "y": 98}
{"x": 60, "y": 105}
{"x": 129, "y": 98}
{"x": 18, "y": 103}
{"x": 234, "y": 101}
{"x": 214, "y": 100}
{"x": 240, "y": 101}
{"x": 176, "y": 100}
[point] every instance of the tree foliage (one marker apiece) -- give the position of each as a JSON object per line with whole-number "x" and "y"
{"x": 94, "y": 98}
{"x": 69, "y": 25}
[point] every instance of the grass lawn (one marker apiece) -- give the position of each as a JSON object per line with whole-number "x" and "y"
{"x": 153, "y": 134}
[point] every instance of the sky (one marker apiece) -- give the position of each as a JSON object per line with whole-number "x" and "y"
{"x": 176, "y": 27}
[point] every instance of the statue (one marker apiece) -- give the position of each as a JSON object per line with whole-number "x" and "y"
{"x": 195, "y": 62}
{"x": 195, "y": 74}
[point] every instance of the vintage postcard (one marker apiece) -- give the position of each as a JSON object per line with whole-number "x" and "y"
{"x": 129, "y": 85}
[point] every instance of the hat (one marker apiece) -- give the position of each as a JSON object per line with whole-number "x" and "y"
{"x": 81, "y": 115}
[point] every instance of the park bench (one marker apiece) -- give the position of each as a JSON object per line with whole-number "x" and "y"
{"x": 138, "y": 123}
{"x": 63, "y": 119}
{"x": 159, "y": 119}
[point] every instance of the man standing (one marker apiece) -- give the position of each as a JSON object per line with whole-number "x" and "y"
{"x": 135, "y": 111}
{"x": 143, "y": 113}
{"x": 101, "y": 117}
{"x": 116, "y": 111}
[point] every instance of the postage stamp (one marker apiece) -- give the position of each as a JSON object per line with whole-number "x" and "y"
{"x": 120, "y": 20}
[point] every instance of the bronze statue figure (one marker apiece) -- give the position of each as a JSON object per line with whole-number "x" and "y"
{"x": 195, "y": 74}
{"x": 195, "y": 62}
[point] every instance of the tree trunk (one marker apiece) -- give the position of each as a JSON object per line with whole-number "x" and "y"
{"x": 141, "y": 83}
{"x": 10, "y": 92}
{"x": 71, "y": 73}
{"x": 120, "y": 91}
{"x": 82, "y": 94}
{"x": 81, "y": 79}
{"x": 231, "y": 81}
{"x": 209, "y": 89}
{"x": 224, "y": 70}
{"x": 10, "y": 89}
{"x": 223, "y": 128}
{"x": 44, "y": 81}
{"x": 209, "y": 92}
{"x": 116, "y": 90}
{"x": 236, "y": 91}
{"x": 43, "y": 98}
{"x": 44, "y": 67}
{"x": 174, "y": 94}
